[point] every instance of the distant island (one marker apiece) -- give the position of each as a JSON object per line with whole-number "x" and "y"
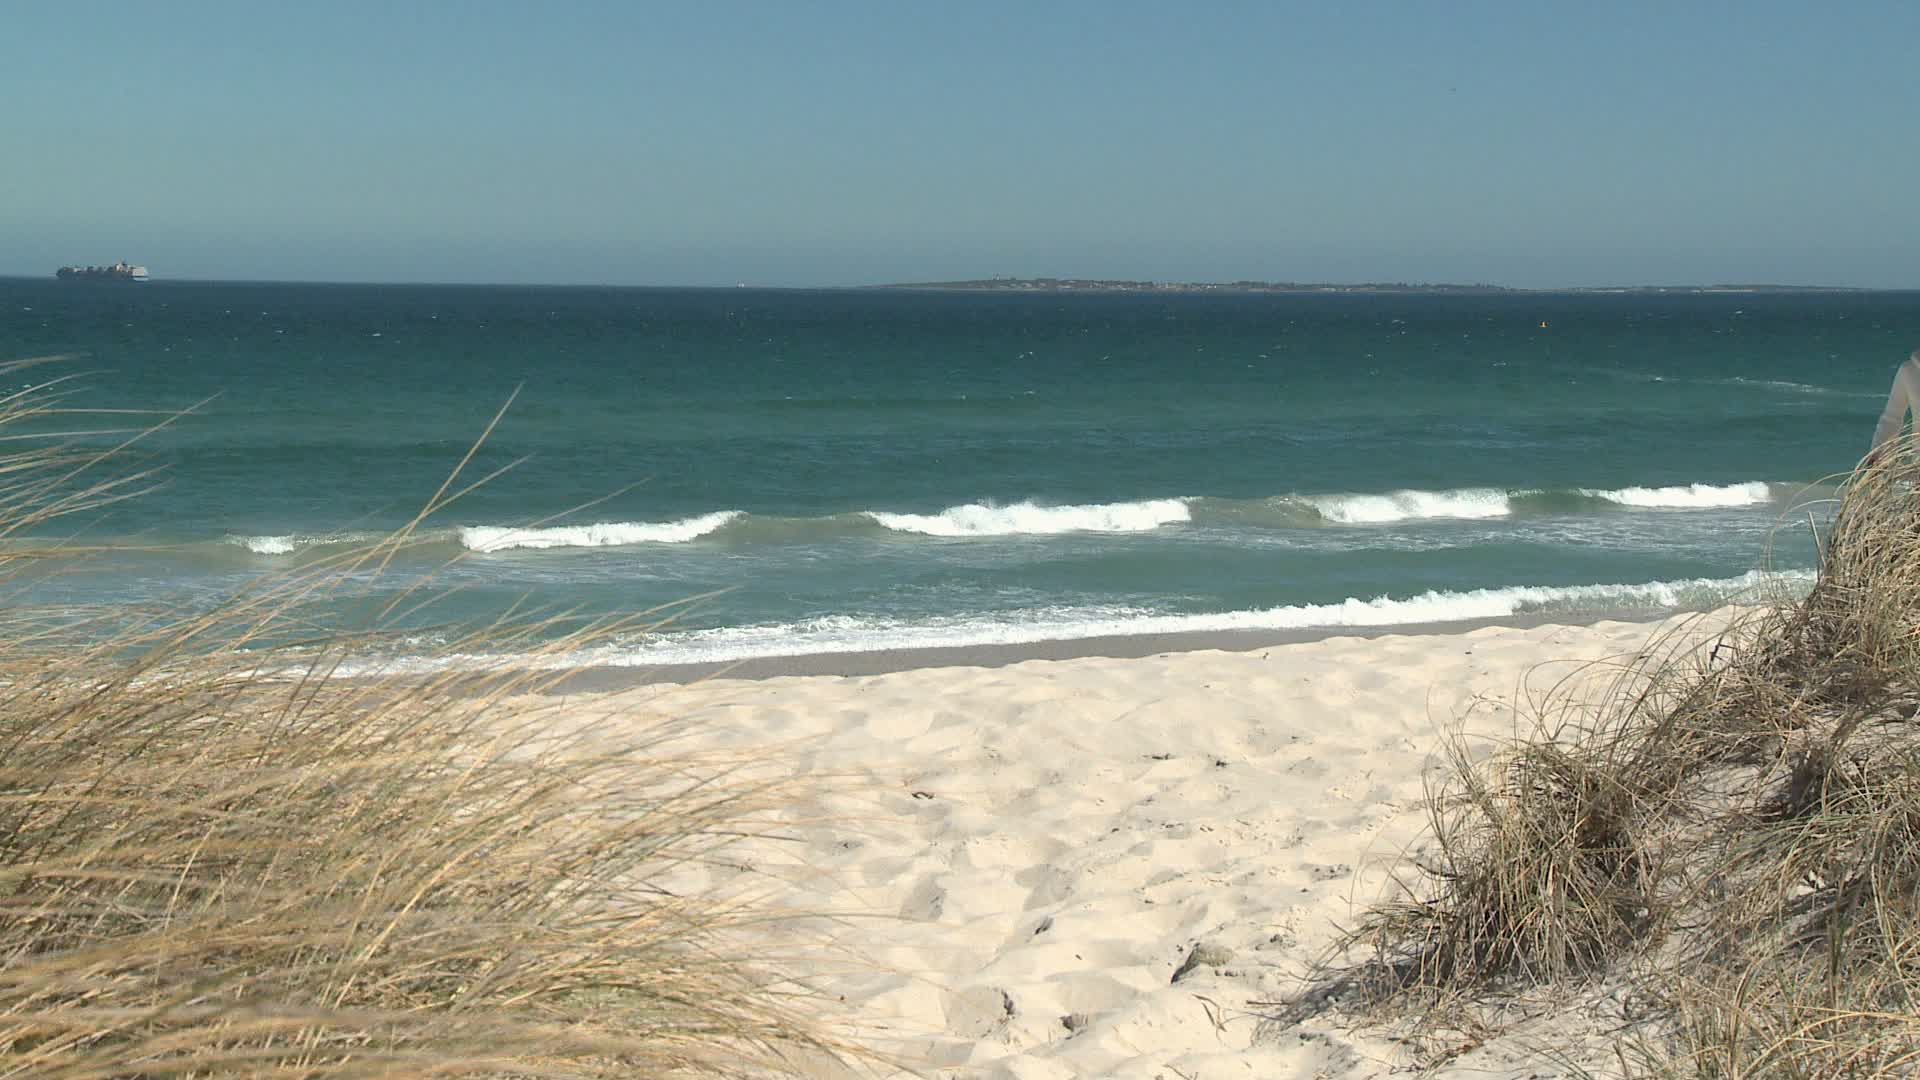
{"x": 1108, "y": 285}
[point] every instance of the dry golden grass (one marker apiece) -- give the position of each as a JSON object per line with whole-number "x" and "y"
{"x": 220, "y": 859}
{"x": 1730, "y": 828}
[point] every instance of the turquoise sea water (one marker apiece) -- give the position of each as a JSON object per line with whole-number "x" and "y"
{"x": 865, "y": 469}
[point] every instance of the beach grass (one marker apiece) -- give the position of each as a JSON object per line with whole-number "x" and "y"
{"x": 222, "y": 854}
{"x": 1726, "y": 831}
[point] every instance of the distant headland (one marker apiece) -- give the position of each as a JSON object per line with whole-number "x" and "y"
{"x": 1397, "y": 288}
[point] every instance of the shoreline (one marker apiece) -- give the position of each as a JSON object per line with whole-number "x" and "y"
{"x": 613, "y": 678}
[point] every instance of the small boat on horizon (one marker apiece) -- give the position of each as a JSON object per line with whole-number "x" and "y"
{"x": 120, "y": 271}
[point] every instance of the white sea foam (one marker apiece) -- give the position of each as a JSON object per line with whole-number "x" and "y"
{"x": 1687, "y": 496}
{"x": 485, "y": 538}
{"x": 270, "y": 545}
{"x": 288, "y": 543}
{"x": 1027, "y": 518}
{"x": 854, "y": 634}
{"x": 847, "y": 633}
{"x": 1411, "y": 505}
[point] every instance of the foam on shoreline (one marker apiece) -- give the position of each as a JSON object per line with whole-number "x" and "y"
{"x": 866, "y": 644}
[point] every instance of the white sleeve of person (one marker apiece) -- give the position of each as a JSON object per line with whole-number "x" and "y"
{"x": 1905, "y": 395}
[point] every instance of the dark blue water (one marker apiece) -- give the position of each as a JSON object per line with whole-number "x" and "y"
{"x": 866, "y": 468}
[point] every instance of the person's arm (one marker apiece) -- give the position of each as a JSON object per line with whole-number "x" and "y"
{"x": 1904, "y": 395}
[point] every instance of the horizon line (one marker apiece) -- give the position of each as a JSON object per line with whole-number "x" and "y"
{"x": 1013, "y": 284}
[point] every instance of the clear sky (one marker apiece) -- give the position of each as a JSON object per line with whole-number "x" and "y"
{"x": 1530, "y": 143}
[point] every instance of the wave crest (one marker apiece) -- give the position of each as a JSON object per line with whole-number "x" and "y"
{"x": 486, "y": 538}
{"x": 1028, "y": 518}
{"x": 1409, "y": 505}
{"x": 289, "y": 543}
{"x": 1687, "y": 496}
{"x": 271, "y": 545}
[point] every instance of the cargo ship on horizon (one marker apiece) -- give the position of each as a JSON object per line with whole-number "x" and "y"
{"x": 119, "y": 271}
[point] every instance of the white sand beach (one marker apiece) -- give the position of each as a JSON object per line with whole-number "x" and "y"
{"x": 1026, "y": 857}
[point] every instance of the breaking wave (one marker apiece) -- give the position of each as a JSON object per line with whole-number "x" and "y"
{"x": 1410, "y": 506}
{"x": 1482, "y": 503}
{"x": 485, "y": 538}
{"x": 271, "y": 545}
{"x": 1687, "y": 496}
{"x": 293, "y": 543}
{"x": 1031, "y": 519}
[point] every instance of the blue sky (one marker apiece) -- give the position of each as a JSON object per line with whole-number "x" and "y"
{"x": 1534, "y": 144}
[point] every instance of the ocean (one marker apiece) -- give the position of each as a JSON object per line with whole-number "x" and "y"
{"x": 794, "y": 472}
